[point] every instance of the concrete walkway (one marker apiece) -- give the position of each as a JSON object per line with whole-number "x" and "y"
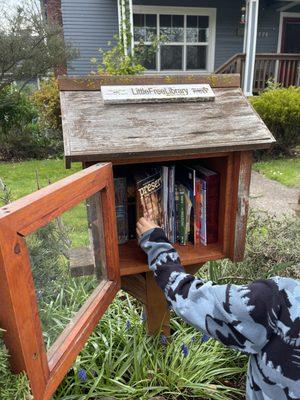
{"x": 273, "y": 197}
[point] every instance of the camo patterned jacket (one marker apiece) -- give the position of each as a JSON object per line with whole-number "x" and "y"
{"x": 261, "y": 319}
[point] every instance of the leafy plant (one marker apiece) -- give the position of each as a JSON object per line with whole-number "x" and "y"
{"x": 21, "y": 135}
{"x": 272, "y": 248}
{"x": 280, "y": 110}
{"x": 115, "y": 61}
{"x": 46, "y": 99}
{"x": 30, "y": 45}
{"x": 11, "y": 386}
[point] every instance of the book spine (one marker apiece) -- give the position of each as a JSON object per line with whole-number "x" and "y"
{"x": 121, "y": 209}
{"x": 212, "y": 208}
{"x": 165, "y": 190}
{"x": 176, "y": 233}
{"x": 197, "y": 212}
{"x": 171, "y": 204}
{"x": 203, "y": 231}
{"x": 181, "y": 216}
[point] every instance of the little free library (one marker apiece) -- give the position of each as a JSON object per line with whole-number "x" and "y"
{"x": 176, "y": 147}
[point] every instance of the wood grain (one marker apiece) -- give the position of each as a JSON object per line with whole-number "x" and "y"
{"x": 94, "y": 132}
{"x": 91, "y": 83}
{"x": 242, "y": 177}
{"x": 133, "y": 260}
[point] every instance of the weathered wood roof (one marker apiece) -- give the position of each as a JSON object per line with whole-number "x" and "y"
{"x": 94, "y": 132}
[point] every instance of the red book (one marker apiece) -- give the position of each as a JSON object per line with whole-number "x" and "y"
{"x": 212, "y": 180}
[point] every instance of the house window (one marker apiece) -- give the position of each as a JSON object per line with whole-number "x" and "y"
{"x": 187, "y": 37}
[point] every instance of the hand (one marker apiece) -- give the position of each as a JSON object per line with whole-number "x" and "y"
{"x": 144, "y": 224}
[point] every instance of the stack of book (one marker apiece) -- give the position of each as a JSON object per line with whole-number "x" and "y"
{"x": 184, "y": 200}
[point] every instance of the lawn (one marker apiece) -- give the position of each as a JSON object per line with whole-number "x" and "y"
{"x": 283, "y": 170}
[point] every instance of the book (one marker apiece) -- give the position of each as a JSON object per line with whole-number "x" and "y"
{"x": 171, "y": 205}
{"x": 188, "y": 210}
{"x": 131, "y": 207}
{"x": 211, "y": 192}
{"x": 165, "y": 198}
{"x": 121, "y": 209}
{"x": 203, "y": 226}
{"x": 149, "y": 198}
{"x": 186, "y": 176}
{"x": 181, "y": 215}
{"x": 197, "y": 211}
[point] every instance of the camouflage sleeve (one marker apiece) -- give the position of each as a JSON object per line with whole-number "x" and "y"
{"x": 241, "y": 317}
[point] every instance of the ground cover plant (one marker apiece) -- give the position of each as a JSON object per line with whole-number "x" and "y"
{"x": 119, "y": 359}
{"x": 11, "y": 386}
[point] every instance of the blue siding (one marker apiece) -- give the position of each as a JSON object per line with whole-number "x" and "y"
{"x": 268, "y": 27}
{"x": 88, "y": 25}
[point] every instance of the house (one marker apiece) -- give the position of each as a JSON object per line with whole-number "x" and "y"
{"x": 257, "y": 38}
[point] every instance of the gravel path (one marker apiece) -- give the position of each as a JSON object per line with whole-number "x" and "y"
{"x": 273, "y": 197}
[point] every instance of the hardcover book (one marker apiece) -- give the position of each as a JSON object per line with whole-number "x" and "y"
{"x": 149, "y": 199}
{"x": 212, "y": 191}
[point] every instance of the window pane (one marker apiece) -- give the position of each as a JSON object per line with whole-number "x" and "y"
{"x": 146, "y": 56}
{"x": 172, "y": 28}
{"x": 144, "y": 27}
{"x": 151, "y": 20}
{"x": 171, "y": 57}
{"x": 196, "y": 57}
{"x": 138, "y": 19}
{"x": 197, "y": 28}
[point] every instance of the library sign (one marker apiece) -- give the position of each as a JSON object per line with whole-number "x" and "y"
{"x": 156, "y": 93}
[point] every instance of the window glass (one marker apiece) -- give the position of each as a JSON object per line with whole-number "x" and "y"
{"x": 144, "y": 27}
{"x": 197, "y": 28}
{"x": 68, "y": 262}
{"x": 196, "y": 57}
{"x": 171, "y": 57}
{"x": 172, "y": 28}
{"x": 146, "y": 56}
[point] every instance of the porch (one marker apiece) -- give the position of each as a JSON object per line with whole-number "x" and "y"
{"x": 281, "y": 68}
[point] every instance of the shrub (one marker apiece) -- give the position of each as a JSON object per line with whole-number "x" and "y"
{"x": 280, "y": 110}
{"x": 116, "y": 62}
{"x": 12, "y": 387}
{"x": 21, "y": 135}
{"x": 47, "y": 102}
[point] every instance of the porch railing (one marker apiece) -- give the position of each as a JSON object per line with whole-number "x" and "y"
{"x": 281, "y": 68}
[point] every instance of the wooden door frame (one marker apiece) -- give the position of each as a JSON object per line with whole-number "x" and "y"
{"x": 284, "y": 16}
{"x": 18, "y": 307}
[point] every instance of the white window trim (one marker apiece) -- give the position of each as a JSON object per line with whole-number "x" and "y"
{"x": 211, "y": 44}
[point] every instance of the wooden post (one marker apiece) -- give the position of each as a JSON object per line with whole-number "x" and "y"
{"x": 157, "y": 312}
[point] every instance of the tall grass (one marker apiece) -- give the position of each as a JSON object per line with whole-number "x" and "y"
{"x": 120, "y": 360}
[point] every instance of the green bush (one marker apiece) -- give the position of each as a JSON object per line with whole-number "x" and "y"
{"x": 47, "y": 102}
{"x": 12, "y": 387}
{"x": 280, "y": 110}
{"x": 21, "y": 134}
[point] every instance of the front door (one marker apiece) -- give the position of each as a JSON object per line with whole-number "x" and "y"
{"x": 290, "y": 44}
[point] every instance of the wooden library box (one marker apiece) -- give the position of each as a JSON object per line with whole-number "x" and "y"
{"x": 219, "y": 135}
{"x": 116, "y": 140}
